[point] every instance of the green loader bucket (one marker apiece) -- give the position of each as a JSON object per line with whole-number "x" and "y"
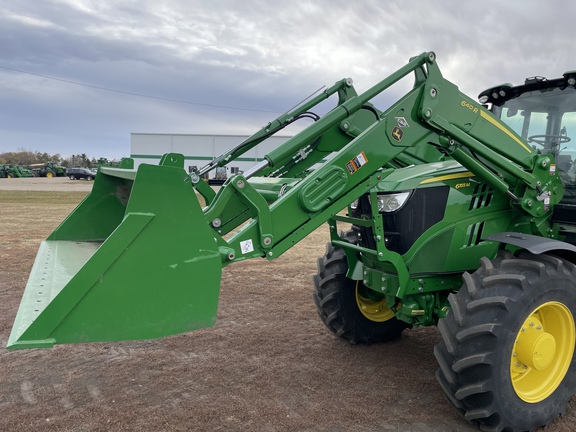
{"x": 135, "y": 260}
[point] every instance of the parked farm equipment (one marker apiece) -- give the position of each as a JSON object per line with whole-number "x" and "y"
{"x": 220, "y": 176}
{"x": 14, "y": 171}
{"x": 461, "y": 217}
{"x": 48, "y": 169}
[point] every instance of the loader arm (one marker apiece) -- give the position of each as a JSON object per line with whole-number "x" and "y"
{"x": 437, "y": 115}
{"x": 343, "y": 88}
{"x": 153, "y": 268}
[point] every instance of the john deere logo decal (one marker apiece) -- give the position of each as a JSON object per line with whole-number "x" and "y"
{"x": 397, "y": 133}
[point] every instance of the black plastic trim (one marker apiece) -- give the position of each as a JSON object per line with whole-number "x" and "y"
{"x": 535, "y": 244}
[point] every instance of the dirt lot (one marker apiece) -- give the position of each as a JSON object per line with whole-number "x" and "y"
{"x": 45, "y": 184}
{"x": 267, "y": 365}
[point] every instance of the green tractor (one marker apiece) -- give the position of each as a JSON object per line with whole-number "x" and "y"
{"x": 461, "y": 217}
{"x": 48, "y": 169}
{"x": 15, "y": 171}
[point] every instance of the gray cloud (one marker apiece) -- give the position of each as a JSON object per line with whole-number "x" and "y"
{"x": 259, "y": 55}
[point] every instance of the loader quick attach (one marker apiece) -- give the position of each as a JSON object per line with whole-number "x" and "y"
{"x": 461, "y": 217}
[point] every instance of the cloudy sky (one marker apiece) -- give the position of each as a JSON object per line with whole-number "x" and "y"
{"x": 74, "y": 73}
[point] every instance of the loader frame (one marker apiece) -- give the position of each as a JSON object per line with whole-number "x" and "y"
{"x": 353, "y": 150}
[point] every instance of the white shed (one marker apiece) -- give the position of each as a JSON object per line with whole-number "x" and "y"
{"x": 198, "y": 150}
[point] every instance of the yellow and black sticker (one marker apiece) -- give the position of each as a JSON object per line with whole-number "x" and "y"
{"x": 397, "y": 133}
{"x": 356, "y": 163}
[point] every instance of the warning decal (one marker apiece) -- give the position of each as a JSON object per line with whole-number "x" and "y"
{"x": 356, "y": 163}
{"x": 246, "y": 246}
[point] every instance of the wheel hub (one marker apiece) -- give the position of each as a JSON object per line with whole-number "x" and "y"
{"x": 542, "y": 352}
{"x": 534, "y": 347}
{"x": 374, "y": 310}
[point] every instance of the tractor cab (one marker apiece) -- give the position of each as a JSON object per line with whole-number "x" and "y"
{"x": 543, "y": 113}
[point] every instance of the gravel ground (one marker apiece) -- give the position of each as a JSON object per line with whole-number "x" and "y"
{"x": 45, "y": 184}
{"x": 267, "y": 365}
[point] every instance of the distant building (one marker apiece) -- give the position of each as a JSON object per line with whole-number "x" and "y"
{"x": 198, "y": 150}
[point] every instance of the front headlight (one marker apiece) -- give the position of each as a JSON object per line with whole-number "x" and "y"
{"x": 392, "y": 202}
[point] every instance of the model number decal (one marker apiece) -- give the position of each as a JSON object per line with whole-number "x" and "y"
{"x": 469, "y": 106}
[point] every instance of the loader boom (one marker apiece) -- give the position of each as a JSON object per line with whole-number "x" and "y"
{"x": 438, "y": 115}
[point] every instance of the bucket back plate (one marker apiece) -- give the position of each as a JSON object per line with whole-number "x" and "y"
{"x": 135, "y": 260}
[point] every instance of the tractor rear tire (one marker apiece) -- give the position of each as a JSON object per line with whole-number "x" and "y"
{"x": 338, "y": 300}
{"x": 507, "y": 350}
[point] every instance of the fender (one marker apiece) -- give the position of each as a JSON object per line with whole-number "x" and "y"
{"x": 535, "y": 244}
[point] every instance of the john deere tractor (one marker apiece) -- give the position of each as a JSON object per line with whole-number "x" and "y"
{"x": 462, "y": 215}
{"x": 48, "y": 169}
{"x": 15, "y": 171}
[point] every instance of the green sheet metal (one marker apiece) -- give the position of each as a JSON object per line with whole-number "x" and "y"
{"x": 156, "y": 273}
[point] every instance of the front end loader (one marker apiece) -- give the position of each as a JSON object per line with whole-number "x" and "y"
{"x": 16, "y": 171}
{"x": 461, "y": 217}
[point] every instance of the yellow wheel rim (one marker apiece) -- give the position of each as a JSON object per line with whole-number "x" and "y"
{"x": 49, "y": 175}
{"x": 374, "y": 310}
{"x": 542, "y": 352}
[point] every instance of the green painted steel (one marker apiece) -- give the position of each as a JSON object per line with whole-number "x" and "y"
{"x": 139, "y": 258}
{"x": 204, "y": 158}
{"x": 133, "y": 261}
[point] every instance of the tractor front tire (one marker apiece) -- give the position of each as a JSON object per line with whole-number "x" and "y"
{"x": 506, "y": 355}
{"x": 347, "y": 307}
